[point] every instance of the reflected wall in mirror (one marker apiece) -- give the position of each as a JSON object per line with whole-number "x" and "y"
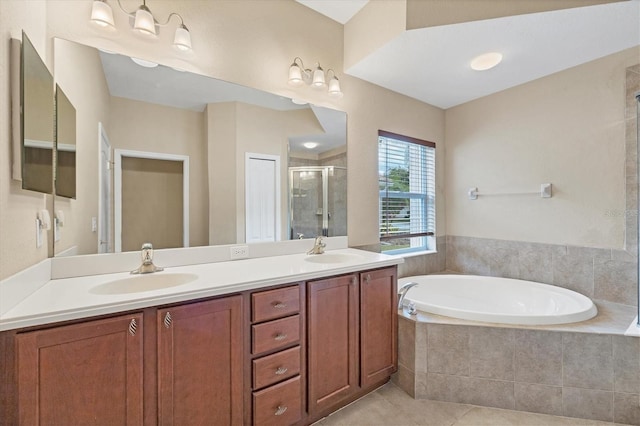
{"x": 65, "y": 177}
{"x": 161, "y": 112}
{"x": 37, "y": 119}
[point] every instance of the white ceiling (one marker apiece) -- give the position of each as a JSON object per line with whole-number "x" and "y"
{"x": 338, "y": 10}
{"x": 432, "y": 64}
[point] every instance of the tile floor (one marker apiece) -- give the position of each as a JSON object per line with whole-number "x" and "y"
{"x": 391, "y": 406}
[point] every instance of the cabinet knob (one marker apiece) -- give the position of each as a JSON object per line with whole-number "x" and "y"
{"x": 367, "y": 278}
{"x": 133, "y": 327}
{"x": 281, "y": 370}
{"x": 167, "y": 320}
{"x": 279, "y": 305}
{"x": 280, "y": 337}
{"x": 281, "y": 410}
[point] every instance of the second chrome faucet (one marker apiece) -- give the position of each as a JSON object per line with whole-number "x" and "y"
{"x": 318, "y": 246}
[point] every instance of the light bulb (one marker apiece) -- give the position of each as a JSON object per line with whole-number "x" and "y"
{"x": 486, "y": 61}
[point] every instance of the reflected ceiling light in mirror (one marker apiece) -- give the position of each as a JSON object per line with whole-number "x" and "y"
{"x": 486, "y": 61}
{"x": 299, "y": 101}
{"x": 144, "y": 63}
{"x": 299, "y": 75}
{"x": 142, "y": 21}
{"x": 310, "y": 145}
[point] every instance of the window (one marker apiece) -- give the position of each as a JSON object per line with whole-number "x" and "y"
{"x": 406, "y": 174}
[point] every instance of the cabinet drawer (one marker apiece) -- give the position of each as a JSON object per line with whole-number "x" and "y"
{"x": 277, "y": 367}
{"x": 272, "y": 304}
{"x": 275, "y": 334}
{"x": 279, "y": 404}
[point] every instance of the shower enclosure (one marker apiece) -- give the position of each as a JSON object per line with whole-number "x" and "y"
{"x": 317, "y": 201}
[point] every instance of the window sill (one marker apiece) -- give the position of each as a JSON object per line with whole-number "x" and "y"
{"x": 413, "y": 254}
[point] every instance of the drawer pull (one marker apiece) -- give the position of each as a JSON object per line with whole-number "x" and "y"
{"x": 167, "y": 320}
{"x": 280, "y": 337}
{"x": 279, "y": 305}
{"x": 281, "y": 370}
{"x": 281, "y": 410}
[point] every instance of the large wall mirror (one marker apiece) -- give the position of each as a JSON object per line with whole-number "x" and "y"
{"x": 37, "y": 118}
{"x": 180, "y": 159}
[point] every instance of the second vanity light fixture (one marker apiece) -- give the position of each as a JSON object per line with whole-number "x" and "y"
{"x": 299, "y": 75}
{"x": 142, "y": 21}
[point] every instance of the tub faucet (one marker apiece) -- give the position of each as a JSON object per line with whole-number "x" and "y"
{"x": 318, "y": 246}
{"x": 147, "y": 266}
{"x": 402, "y": 292}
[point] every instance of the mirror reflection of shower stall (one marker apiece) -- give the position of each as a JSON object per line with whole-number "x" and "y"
{"x": 317, "y": 201}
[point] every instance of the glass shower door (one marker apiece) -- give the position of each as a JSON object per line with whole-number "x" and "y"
{"x": 305, "y": 202}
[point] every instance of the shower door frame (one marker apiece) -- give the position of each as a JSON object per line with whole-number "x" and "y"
{"x": 325, "y": 170}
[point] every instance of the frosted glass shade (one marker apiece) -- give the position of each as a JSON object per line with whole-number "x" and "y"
{"x": 334, "y": 88}
{"x": 144, "y": 21}
{"x": 182, "y": 39}
{"x": 101, "y": 14}
{"x": 295, "y": 75}
{"x": 318, "y": 78}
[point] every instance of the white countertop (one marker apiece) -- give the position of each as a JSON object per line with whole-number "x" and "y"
{"x": 72, "y": 298}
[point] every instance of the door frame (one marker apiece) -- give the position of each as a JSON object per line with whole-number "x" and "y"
{"x": 117, "y": 184}
{"x": 104, "y": 211}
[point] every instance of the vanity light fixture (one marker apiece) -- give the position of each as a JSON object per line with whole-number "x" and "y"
{"x": 142, "y": 21}
{"x": 486, "y": 61}
{"x": 299, "y": 75}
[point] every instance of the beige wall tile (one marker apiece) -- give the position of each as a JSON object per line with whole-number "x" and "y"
{"x": 448, "y": 349}
{"x": 626, "y": 408}
{"x": 538, "y": 357}
{"x": 491, "y": 352}
{"x": 587, "y": 404}
{"x": 626, "y": 364}
{"x": 587, "y": 361}
{"x": 538, "y": 398}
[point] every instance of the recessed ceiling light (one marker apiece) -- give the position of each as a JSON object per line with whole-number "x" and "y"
{"x": 310, "y": 145}
{"x": 143, "y": 63}
{"x": 486, "y": 61}
{"x": 299, "y": 101}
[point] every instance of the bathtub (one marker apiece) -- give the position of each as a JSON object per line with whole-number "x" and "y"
{"x": 497, "y": 300}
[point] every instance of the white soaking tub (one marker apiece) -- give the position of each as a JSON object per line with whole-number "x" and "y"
{"x": 497, "y": 300}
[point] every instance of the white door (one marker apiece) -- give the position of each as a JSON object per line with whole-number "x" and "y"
{"x": 262, "y": 198}
{"x": 104, "y": 192}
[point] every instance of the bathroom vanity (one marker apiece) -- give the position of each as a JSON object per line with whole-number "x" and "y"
{"x": 289, "y": 349}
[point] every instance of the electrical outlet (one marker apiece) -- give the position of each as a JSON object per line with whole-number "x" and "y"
{"x": 239, "y": 252}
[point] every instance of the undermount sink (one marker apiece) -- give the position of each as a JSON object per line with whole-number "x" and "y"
{"x": 141, "y": 283}
{"x": 332, "y": 258}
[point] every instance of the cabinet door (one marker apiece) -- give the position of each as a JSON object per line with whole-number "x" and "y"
{"x": 200, "y": 355}
{"x": 332, "y": 341}
{"x": 82, "y": 374}
{"x": 378, "y": 324}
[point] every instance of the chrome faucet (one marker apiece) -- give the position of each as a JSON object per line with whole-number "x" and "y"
{"x": 147, "y": 266}
{"x": 402, "y": 292}
{"x": 318, "y": 246}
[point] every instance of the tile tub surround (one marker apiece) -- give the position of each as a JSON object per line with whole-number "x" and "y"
{"x": 563, "y": 373}
{"x": 603, "y": 274}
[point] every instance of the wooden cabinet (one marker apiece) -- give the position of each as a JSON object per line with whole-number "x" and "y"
{"x": 378, "y": 325}
{"x": 277, "y": 330}
{"x": 352, "y": 341}
{"x": 200, "y": 368}
{"x": 333, "y": 341}
{"x": 93, "y": 373}
{"x": 88, "y": 374}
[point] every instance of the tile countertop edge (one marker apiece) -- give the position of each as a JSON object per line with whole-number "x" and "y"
{"x": 138, "y": 301}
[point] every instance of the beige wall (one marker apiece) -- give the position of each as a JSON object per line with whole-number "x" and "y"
{"x": 86, "y": 88}
{"x": 141, "y": 126}
{"x": 566, "y": 129}
{"x": 18, "y": 208}
{"x": 233, "y": 130}
{"x": 152, "y": 194}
